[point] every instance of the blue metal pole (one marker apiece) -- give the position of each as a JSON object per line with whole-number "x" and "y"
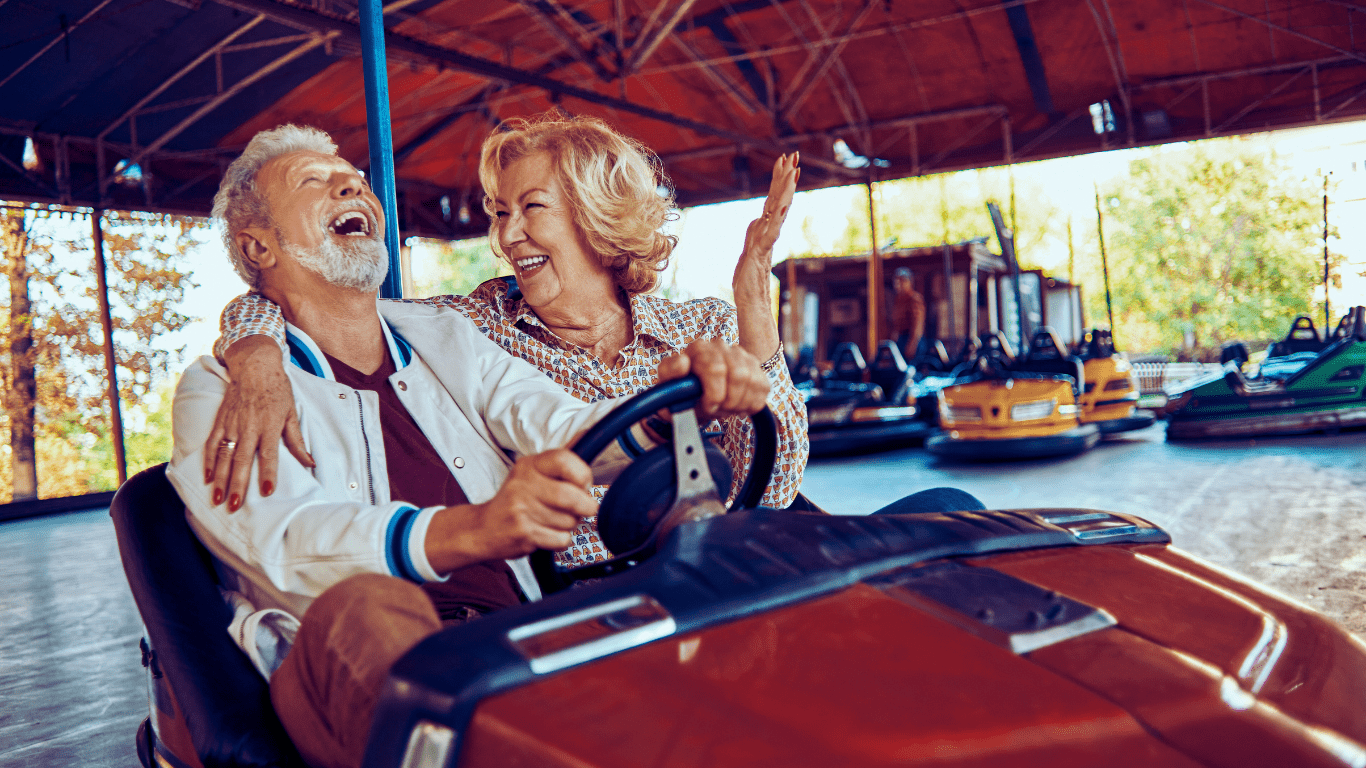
{"x": 381, "y": 138}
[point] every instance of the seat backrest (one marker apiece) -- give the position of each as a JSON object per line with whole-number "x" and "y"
{"x": 997, "y": 346}
{"x": 1047, "y": 354}
{"x": 224, "y": 701}
{"x": 848, "y": 363}
{"x": 889, "y": 368}
{"x": 1357, "y": 333}
{"x": 1046, "y": 344}
{"x": 1099, "y": 343}
{"x": 1302, "y": 337}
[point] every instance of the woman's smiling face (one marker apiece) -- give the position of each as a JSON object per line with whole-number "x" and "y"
{"x": 535, "y": 228}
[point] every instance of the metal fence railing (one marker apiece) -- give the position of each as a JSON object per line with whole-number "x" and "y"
{"x": 1157, "y": 377}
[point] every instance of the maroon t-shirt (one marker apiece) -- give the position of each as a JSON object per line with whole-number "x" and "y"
{"x": 418, "y": 476}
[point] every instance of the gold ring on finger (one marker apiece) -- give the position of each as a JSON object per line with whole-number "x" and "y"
{"x": 227, "y": 445}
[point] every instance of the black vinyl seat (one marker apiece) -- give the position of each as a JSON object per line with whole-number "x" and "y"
{"x": 931, "y": 355}
{"x": 222, "y": 700}
{"x": 848, "y": 363}
{"x": 1048, "y": 355}
{"x": 1098, "y": 344}
{"x": 889, "y": 368}
{"x": 1303, "y": 337}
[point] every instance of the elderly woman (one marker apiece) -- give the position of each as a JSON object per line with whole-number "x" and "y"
{"x": 576, "y": 210}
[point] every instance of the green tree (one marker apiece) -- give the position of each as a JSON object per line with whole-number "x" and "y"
{"x": 952, "y": 208}
{"x": 458, "y": 267}
{"x": 1219, "y": 242}
{"x": 52, "y": 370}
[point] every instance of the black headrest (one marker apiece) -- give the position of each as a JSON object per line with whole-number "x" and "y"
{"x": 1099, "y": 343}
{"x": 225, "y": 702}
{"x": 1302, "y": 329}
{"x": 849, "y": 359}
{"x": 1359, "y": 325}
{"x": 996, "y": 343}
{"x": 888, "y": 357}
{"x": 1046, "y": 344}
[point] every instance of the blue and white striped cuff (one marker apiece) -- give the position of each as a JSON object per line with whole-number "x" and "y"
{"x": 405, "y": 549}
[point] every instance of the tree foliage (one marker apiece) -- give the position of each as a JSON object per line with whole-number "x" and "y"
{"x": 145, "y": 256}
{"x": 458, "y": 267}
{"x": 952, "y": 208}
{"x": 1221, "y": 241}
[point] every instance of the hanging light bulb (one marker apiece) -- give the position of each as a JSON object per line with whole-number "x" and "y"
{"x": 32, "y": 163}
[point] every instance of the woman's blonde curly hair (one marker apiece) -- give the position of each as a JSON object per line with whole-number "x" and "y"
{"x": 614, "y": 185}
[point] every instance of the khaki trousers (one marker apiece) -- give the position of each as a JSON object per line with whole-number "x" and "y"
{"x": 325, "y": 692}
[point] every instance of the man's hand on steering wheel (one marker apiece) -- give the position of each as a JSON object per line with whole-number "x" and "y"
{"x": 543, "y": 499}
{"x": 257, "y": 410}
{"x": 733, "y": 384}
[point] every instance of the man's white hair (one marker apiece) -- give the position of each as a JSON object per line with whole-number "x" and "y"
{"x": 239, "y": 204}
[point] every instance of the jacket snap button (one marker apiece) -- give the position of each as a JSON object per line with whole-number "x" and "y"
{"x": 403, "y": 386}
{"x": 459, "y": 463}
{"x": 353, "y": 486}
{"x": 341, "y": 396}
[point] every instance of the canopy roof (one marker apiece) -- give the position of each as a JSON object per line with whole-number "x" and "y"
{"x": 177, "y": 87}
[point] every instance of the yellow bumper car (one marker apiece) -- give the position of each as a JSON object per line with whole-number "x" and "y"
{"x": 1109, "y": 398}
{"x": 1015, "y": 409}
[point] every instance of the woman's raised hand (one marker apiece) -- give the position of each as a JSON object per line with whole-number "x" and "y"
{"x": 753, "y": 301}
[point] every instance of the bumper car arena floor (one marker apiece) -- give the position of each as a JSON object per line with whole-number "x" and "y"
{"x": 1288, "y": 512}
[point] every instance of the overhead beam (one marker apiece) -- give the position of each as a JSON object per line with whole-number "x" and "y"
{"x": 1030, "y": 58}
{"x": 168, "y": 82}
{"x": 995, "y": 110}
{"x": 63, "y": 35}
{"x": 719, "y": 78}
{"x": 1108, "y": 35}
{"x": 645, "y": 51}
{"x": 740, "y": 57}
{"x": 805, "y": 89}
{"x": 1287, "y": 30}
{"x": 571, "y": 45}
{"x": 427, "y": 53}
{"x": 237, "y": 88}
{"x": 856, "y": 114}
{"x": 865, "y": 34}
{"x": 1270, "y": 95}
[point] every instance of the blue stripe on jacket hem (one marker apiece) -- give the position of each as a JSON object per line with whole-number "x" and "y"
{"x": 398, "y": 558}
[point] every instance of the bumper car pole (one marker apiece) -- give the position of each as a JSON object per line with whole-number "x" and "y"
{"x": 381, "y": 173}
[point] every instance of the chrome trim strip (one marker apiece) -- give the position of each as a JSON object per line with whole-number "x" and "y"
{"x": 598, "y": 622}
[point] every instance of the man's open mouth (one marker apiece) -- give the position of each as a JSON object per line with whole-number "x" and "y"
{"x": 527, "y": 264}
{"x": 351, "y": 224}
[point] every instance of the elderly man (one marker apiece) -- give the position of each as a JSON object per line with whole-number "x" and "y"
{"x": 413, "y": 482}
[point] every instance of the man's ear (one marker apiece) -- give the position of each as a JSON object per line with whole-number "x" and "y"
{"x": 257, "y": 248}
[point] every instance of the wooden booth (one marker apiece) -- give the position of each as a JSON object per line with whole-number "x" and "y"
{"x": 825, "y": 300}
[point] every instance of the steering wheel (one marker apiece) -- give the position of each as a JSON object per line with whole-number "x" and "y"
{"x": 631, "y": 516}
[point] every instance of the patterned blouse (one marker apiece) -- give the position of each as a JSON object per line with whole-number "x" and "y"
{"x": 661, "y": 327}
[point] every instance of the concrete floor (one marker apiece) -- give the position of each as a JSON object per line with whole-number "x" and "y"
{"x": 1290, "y": 513}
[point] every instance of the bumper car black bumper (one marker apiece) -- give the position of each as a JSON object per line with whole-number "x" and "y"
{"x": 1062, "y": 444}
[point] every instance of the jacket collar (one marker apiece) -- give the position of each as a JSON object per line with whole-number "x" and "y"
{"x": 305, "y": 353}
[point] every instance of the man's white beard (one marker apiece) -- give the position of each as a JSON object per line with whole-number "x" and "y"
{"x": 360, "y": 263}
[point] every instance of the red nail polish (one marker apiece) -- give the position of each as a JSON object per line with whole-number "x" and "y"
{"x": 267, "y": 488}
{"x": 217, "y": 496}
{"x": 234, "y": 503}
